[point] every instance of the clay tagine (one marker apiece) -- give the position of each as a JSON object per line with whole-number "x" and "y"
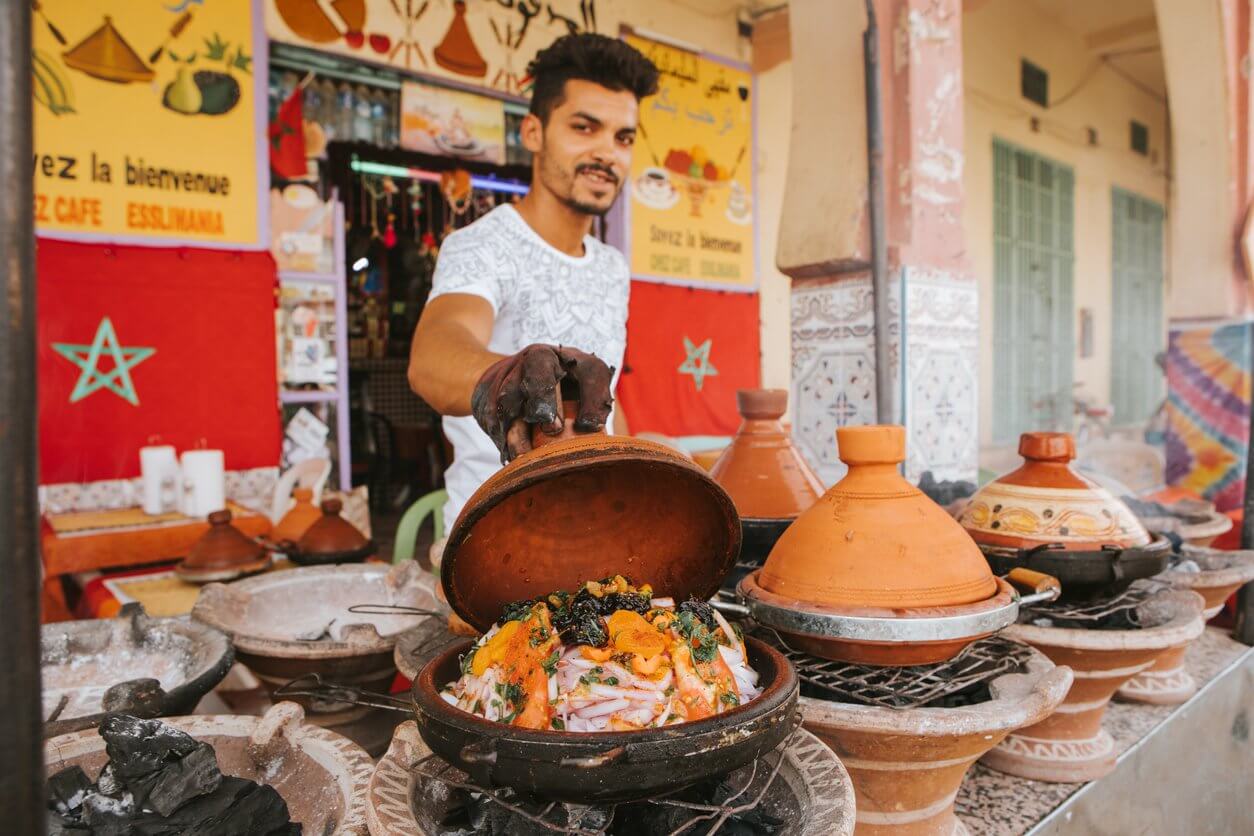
{"x": 765, "y": 476}
{"x": 907, "y": 764}
{"x": 1218, "y": 574}
{"x": 1045, "y": 516}
{"x": 303, "y": 514}
{"x": 588, "y": 505}
{"x": 1071, "y": 745}
{"x": 331, "y": 539}
{"x": 875, "y": 546}
{"x": 223, "y": 553}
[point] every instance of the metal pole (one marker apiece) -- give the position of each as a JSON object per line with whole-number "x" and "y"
{"x": 21, "y": 749}
{"x": 885, "y": 411}
{"x": 1244, "y": 631}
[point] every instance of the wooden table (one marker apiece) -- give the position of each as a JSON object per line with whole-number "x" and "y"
{"x": 120, "y": 546}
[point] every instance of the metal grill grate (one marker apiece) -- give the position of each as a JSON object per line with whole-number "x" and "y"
{"x": 1123, "y": 611}
{"x": 955, "y": 681}
{"x": 737, "y": 812}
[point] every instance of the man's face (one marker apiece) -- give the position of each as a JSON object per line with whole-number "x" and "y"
{"x": 583, "y": 153}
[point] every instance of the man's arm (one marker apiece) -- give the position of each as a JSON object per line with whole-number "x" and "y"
{"x": 450, "y": 353}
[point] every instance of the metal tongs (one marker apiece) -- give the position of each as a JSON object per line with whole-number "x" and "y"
{"x": 392, "y": 609}
{"x": 311, "y": 686}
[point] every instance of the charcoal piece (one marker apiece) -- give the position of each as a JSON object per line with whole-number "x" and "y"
{"x": 104, "y": 812}
{"x": 67, "y": 788}
{"x": 239, "y": 807}
{"x": 633, "y": 601}
{"x": 138, "y": 697}
{"x": 56, "y": 824}
{"x": 180, "y": 781}
{"x": 108, "y": 783}
{"x": 138, "y": 747}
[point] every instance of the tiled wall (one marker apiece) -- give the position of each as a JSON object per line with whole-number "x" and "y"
{"x": 833, "y": 369}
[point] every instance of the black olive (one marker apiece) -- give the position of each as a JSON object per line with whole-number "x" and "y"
{"x": 701, "y": 611}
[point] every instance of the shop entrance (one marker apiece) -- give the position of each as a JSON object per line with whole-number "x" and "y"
{"x": 1032, "y": 292}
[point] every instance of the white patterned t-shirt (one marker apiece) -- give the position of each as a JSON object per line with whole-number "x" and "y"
{"x": 539, "y": 295}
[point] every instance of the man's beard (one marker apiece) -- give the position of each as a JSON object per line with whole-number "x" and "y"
{"x": 584, "y": 207}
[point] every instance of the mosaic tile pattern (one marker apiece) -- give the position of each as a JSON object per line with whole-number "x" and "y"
{"x": 833, "y": 370}
{"x": 252, "y": 487}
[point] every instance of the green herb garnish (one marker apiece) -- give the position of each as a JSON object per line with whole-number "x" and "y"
{"x": 550, "y": 664}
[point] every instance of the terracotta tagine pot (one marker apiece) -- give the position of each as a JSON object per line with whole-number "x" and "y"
{"x": 582, "y": 506}
{"x": 298, "y": 518}
{"x": 907, "y": 764}
{"x": 765, "y": 476}
{"x": 322, "y": 776}
{"x": 1071, "y": 745}
{"x": 331, "y": 539}
{"x": 1217, "y": 576}
{"x": 222, "y": 553}
{"x": 1046, "y": 517}
{"x": 874, "y": 545}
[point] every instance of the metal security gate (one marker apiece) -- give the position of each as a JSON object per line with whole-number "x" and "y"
{"x": 1136, "y": 383}
{"x": 1033, "y": 338}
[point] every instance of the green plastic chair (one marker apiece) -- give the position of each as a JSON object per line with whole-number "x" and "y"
{"x": 407, "y": 531}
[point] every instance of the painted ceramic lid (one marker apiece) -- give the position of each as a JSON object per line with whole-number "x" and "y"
{"x": 1045, "y": 501}
{"x": 761, "y": 469}
{"x": 875, "y": 540}
{"x": 582, "y": 507}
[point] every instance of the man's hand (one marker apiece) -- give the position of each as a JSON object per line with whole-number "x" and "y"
{"x": 523, "y": 389}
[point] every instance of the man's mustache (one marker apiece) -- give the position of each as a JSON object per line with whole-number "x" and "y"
{"x": 603, "y": 169}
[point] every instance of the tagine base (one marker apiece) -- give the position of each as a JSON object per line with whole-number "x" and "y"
{"x": 1167, "y": 683}
{"x": 1057, "y": 761}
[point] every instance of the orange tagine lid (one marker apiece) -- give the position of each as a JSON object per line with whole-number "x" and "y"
{"x": 1045, "y": 501}
{"x": 761, "y": 469}
{"x": 875, "y": 540}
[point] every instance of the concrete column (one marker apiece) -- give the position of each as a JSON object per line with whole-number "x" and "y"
{"x": 824, "y": 241}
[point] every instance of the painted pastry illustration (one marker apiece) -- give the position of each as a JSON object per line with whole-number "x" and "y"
{"x": 654, "y": 189}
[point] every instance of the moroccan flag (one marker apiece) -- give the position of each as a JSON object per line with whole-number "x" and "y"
{"x": 688, "y": 351}
{"x": 287, "y": 137}
{"x": 136, "y": 342}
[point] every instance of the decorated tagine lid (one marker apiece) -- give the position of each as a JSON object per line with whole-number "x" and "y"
{"x": 223, "y": 553}
{"x": 331, "y": 539}
{"x": 303, "y": 514}
{"x": 761, "y": 469}
{"x": 583, "y": 506}
{"x": 1045, "y": 502}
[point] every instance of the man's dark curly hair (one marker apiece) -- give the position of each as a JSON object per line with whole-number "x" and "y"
{"x": 609, "y": 62}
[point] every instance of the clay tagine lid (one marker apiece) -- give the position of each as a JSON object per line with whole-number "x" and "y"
{"x": 298, "y": 518}
{"x": 331, "y": 539}
{"x": 1046, "y": 502}
{"x": 761, "y": 469}
{"x": 876, "y": 541}
{"x": 585, "y": 506}
{"x": 222, "y": 553}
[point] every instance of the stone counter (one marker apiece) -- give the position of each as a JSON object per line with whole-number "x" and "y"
{"x": 1182, "y": 769}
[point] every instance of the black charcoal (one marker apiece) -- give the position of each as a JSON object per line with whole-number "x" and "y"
{"x": 137, "y": 747}
{"x": 58, "y": 825}
{"x": 180, "y": 781}
{"x": 67, "y": 788}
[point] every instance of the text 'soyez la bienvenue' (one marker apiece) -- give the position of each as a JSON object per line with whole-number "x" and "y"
{"x": 142, "y": 215}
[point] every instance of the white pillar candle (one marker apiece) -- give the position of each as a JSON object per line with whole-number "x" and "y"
{"x": 158, "y": 470}
{"x": 204, "y": 482}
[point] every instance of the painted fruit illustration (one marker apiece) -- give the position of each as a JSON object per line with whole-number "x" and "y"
{"x": 182, "y": 95}
{"x": 219, "y": 92}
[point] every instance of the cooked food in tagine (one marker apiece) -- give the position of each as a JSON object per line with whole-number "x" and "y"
{"x": 609, "y": 657}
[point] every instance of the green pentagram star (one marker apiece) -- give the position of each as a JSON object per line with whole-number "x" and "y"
{"x": 87, "y": 357}
{"x": 697, "y": 363}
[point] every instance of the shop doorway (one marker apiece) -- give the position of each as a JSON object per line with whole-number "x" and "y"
{"x": 1136, "y": 382}
{"x": 1033, "y": 210}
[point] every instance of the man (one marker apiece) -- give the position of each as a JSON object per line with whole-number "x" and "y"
{"x": 525, "y": 298}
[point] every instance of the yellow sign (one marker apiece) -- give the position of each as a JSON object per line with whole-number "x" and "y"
{"x": 692, "y": 174}
{"x": 146, "y": 125}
